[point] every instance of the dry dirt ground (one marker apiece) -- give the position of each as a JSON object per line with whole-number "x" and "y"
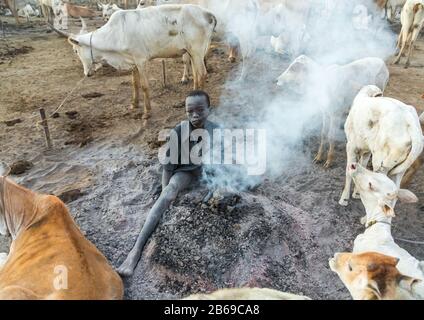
{"x": 279, "y": 235}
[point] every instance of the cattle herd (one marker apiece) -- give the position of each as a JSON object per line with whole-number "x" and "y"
{"x": 379, "y": 129}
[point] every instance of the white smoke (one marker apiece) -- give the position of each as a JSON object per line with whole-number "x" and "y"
{"x": 331, "y": 32}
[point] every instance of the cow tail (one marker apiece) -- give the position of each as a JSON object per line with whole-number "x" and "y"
{"x": 417, "y": 140}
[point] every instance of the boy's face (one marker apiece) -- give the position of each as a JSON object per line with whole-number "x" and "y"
{"x": 197, "y": 110}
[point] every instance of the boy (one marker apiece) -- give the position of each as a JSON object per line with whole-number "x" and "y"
{"x": 175, "y": 177}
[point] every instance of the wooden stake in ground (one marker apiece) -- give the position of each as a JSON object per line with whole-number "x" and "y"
{"x": 164, "y": 73}
{"x": 46, "y": 128}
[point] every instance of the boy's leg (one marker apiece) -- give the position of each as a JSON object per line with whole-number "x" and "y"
{"x": 178, "y": 182}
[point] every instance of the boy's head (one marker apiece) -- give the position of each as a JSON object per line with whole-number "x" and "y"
{"x": 197, "y": 108}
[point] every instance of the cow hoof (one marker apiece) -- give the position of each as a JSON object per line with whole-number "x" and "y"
{"x": 363, "y": 220}
{"x": 356, "y": 195}
{"x": 133, "y": 107}
{"x": 146, "y": 116}
{"x": 317, "y": 159}
{"x": 396, "y": 61}
{"x": 407, "y": 65}
{"x": 232, "y": 59}
{"x": 184, "y": 81}
{"x": 343, "y": 202}
{"x": 328, "y": 164}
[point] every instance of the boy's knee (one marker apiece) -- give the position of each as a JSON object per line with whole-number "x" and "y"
{"x": 171, "y": 191}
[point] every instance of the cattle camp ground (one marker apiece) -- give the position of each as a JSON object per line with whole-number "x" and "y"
{"x": 103, "y": 164}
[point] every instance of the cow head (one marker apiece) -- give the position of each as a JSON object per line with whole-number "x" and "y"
{"x": 298, "y": 74}
{"x": 378, "y": 192}
{"x": 371, "y": 91}
{"x": 146, "y": 3}
{"x": 372, "y": 276}
{"x": 107, "y": 10}
{"x": 85, "y": 54}
{"x": 4, "y": 171}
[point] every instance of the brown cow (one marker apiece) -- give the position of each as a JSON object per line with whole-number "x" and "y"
{"x": 374, "y": 276}
{"x": 49, "y": 256}
{"x": 74, "y": 11}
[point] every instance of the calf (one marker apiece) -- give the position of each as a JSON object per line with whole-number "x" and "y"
{"x": 107, "y": 10}
{"x": 49, "y": 256}
{"x": 379, "y": 195}
{"x": 412, "y": 19}
{"x": 338, "y": 86}
{"x": 384, "y": 128}
{"x": 131, "y": 38}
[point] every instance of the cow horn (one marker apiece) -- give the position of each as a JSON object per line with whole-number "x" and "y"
{"x": 60, "y": 32}
{"x": 83, "y": 26}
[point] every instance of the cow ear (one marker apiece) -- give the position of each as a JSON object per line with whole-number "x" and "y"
{"x": 406, "y": 282}
{"x": 388, "y": 210}
{"x": 4, "y": 169}
{"x": 373, "y": 292}
{"x": 407, "y": 196}
{"x": 73, "y": 41}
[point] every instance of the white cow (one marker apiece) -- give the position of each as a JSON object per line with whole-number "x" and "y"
{"x": 28, "y": 11}
{"x": 379, "y": 195}
{"x": 338, "y": 85}
{"x": 50, "y": 9}
{"x": 107, "y": 9}
{"x": 131, "y": 38}
{"x": 384, "y": 128}
{"x": 237, "y": 21}
{"x": 412, "y": 19}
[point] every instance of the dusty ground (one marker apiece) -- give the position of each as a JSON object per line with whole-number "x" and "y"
{"x": 280, "y": 235}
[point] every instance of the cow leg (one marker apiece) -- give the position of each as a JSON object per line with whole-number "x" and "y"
{"x": 402, "y": 39}
{"x": 324, "y": 132}
{"x": 414, "y": 36}
{"x": 411, "y": 172}
{"x": 246, "y": 48}
{"x": 136, "y": 88}
{"x": 145, "y": 88}
{"x": 12, "y": 6}
{"x": 351, "y": 158}
{"x": 390, "y": 14}
{"x": 187, "y": 64}
{"x": 365, "y": 158}
{"x": 199, "y": 71}
{"x": 331, "y": 141}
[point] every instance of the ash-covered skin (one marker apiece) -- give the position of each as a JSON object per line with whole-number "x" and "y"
{"x": 197, "y": 110}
